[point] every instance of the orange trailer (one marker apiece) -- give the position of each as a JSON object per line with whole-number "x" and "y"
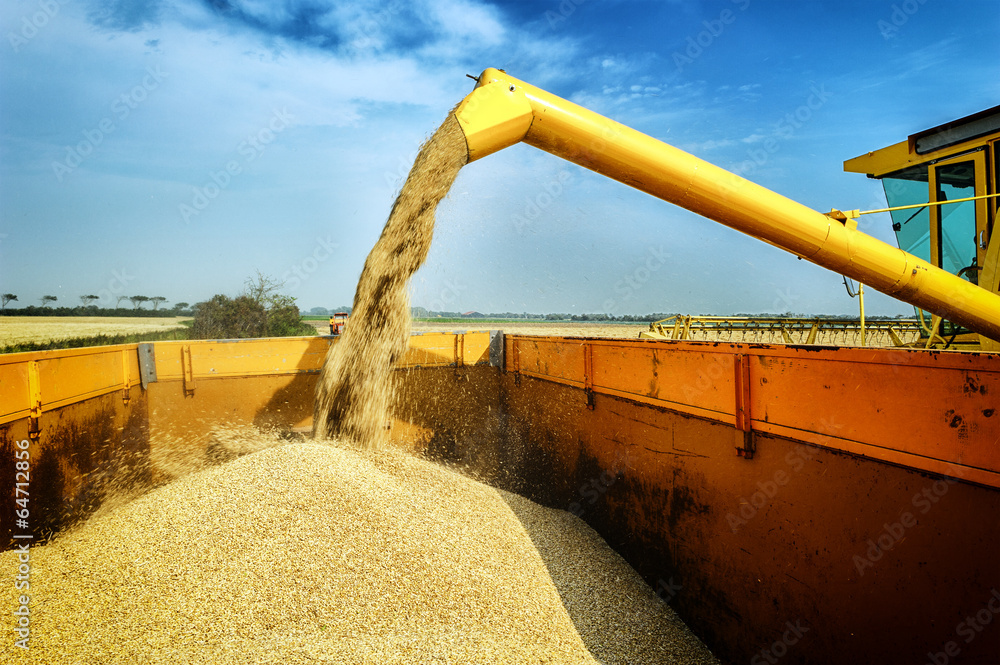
{"x": 801, "y": 503}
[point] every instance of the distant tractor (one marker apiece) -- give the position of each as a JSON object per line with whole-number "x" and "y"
{"x": 338, "y": 322}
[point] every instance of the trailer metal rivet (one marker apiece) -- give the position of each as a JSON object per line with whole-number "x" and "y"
{"x": 512, "y": 87}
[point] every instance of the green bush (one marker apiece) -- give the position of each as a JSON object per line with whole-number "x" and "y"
{"x": 285, "y": 321}
{"x": 259, "y": 312}
{"x": 229, "y": 318}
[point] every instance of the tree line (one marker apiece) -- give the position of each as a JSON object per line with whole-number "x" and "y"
{"x": 87, "y": 303}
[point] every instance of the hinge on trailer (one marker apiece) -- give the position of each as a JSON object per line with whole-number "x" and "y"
{"x": 188, "y": 369}
{"x": 459, "y": 352}
{"x": 497, "y": 350}
{"x": 34, "y": 402}
{"x": 126, "y": 378}
{"x": 745, "y": 445}
{"x": 147, "y": 364}
{"x": 516, "y": 352}
{"x": 588, "y": 373}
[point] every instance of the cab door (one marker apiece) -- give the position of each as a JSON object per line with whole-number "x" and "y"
{"x": 959, "y": 232}
{"x": 990, "y": 278}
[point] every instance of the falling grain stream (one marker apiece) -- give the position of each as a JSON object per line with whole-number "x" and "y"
{"x": 354, "y": 391}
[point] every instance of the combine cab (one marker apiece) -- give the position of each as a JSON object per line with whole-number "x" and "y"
{"x": 941, "y": 186}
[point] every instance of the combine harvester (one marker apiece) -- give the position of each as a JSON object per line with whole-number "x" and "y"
{"x": 798, "y": 502}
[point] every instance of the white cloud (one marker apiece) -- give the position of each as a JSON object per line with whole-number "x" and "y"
{"x": 466, "y": 21}
{"x": 705, "y": 146}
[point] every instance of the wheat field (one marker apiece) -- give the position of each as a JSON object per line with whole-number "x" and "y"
{"x": 22, "y": 329}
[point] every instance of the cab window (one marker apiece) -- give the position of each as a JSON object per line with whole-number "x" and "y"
{"x": 958, "y": 220}
{"x": 912, "y": 225}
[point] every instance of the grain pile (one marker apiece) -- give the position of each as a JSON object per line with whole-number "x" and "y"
{"x": 354, "y": 392}
{"x": 314, "y": 553}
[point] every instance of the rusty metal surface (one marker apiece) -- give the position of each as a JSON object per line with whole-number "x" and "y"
{"x": 932, "y": 411}
{"x": 85, "y": 453}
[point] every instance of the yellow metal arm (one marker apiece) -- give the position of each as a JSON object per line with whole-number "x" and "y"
{"x": 503, "y": 110}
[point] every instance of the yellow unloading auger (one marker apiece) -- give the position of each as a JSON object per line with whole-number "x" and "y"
{"x": 503, "y": 110}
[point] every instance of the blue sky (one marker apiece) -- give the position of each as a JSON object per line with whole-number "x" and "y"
{"x": 173, "y": 147}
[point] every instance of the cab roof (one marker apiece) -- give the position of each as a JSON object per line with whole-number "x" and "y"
{"x": 931, "y": 144}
